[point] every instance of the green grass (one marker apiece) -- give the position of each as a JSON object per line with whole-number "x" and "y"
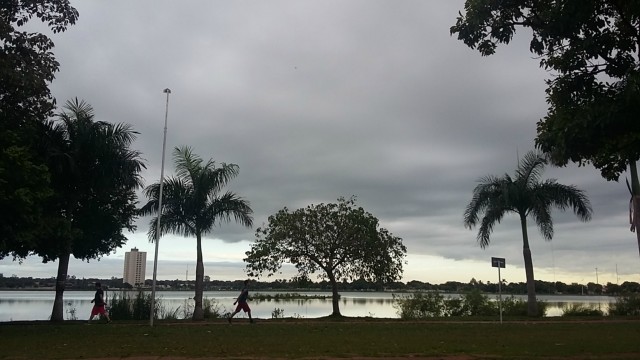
{"x": 325, "y": 338}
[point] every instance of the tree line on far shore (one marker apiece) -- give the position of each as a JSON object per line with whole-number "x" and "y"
{"x": 543, "y": 287}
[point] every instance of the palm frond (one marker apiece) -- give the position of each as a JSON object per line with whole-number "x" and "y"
{"x": 525, "y": 195}
{"x": 78, "y": 109}
{"x": 121, "y": 133}
{"x": 172, "y": 188}
{"x": 541, "y": 214}
{"x": 530, "y": 168}
{"x": 226, "y": 207}
{"x": 188, "y": 165}
{"x": 176, "y": 215}
{"x": 566, "y": 196}
{"x": 492, "y": 216}
{"x": 221, "y": 176}
{"x": 489, "y": 187}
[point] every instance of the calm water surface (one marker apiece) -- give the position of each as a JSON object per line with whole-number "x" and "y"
{"x": 37, "y": 305}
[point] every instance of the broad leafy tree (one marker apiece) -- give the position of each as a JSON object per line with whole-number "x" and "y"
{"x": 192, "y": 204}
{"x": 592, "y": 48}
{"x": 528, "y": 196}
{"x": 338, "y": 241}
{"x": 27, "y": 66}
{"x": 94, "y": 177}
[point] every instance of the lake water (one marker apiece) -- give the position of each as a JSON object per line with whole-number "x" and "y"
{"x": 37, "y": 305}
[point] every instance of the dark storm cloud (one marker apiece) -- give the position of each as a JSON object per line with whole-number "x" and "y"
{"x": 316, "y": 100}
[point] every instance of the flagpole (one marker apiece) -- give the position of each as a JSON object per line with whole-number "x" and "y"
{"x": 155, "y": 258}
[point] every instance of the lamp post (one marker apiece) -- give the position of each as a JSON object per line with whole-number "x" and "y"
{"x": 155, "y": 258}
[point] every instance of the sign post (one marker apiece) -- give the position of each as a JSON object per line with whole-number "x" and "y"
{"x": 499, "y": 263}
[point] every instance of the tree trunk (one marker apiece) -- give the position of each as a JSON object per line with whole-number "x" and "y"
{"x": 532, "y": 305}
{"x": 57, "y": 314}
{"x": 635, "y": 199}
{"x": 198, "y": 312}
{"x": 335, "y": 298}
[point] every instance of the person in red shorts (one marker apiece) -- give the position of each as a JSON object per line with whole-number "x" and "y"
{"x": 242, "y": 302}
{"x": 99, "y": 304}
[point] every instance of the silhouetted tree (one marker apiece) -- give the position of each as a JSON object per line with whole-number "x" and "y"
{"x": 527, "y": 196}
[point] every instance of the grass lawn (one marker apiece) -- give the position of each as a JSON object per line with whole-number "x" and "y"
{"x": 325, "y": 338}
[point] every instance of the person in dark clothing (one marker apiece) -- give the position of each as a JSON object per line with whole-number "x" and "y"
{"x": 241, "y": 300}
{"x": 99, "y": 305}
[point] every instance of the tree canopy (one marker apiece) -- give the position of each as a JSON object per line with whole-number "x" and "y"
{"x": 592, "y": 49}
{"x": 336, "y": 241}
{"x": 94, "y": 176}
{"x": 27, "y": 66}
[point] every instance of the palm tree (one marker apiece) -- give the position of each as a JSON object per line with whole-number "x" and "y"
{"x": 525, "y": 195}
{"x": 94, "y": 175}
{"x": 192, "y": 203}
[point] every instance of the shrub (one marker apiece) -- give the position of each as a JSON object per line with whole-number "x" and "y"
{"x": 123, "y": 307}
{"x": 120, "y": 306}
{"x": 185, "y": 311}
{"x": 454, "y": 307}
{"x": 581, "y": 310}
{"x": 172, "y": 314}
{"x": 142, "y": 307}
{"x": 71, "y": 312}
{"x": 420, "y": 305}
{"x": 277, "y": 313}
{"x": 626, "y": 305}
{"x": 212, "y": 309}
{"x": 516, "y": 307}
{"x": 433, "y": 304}
{"x": 475, "y": 303}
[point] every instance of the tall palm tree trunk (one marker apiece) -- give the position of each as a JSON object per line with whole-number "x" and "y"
{"x": 335, "y": 298}
{"x": 57, "y": 313}
{"x": 198, "y": 312}
{"x": 532, "y": 305}
{"x": 635, "y": 199}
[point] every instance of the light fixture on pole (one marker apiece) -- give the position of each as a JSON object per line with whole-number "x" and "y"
{"x": 155, "y": 258}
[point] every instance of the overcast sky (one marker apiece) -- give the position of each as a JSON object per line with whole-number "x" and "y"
{"x": 314, "y": 100}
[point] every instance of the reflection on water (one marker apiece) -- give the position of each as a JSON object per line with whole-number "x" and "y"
{"x": 37, "y": 305}
{"x": 365, "y": 301}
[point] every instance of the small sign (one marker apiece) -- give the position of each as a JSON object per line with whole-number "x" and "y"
{"x": 498, "y": 262}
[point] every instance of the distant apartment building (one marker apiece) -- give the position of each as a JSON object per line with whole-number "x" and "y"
{"x": 135, "y": 264}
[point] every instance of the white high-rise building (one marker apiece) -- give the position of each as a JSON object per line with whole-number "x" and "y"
{"x": 135, "y": 264}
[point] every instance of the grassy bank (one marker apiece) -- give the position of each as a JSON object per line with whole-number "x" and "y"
{"x": 601, "y": 339}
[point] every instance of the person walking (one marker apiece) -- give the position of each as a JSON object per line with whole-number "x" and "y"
{"x": 241, "y": 302}
{"x": 99, "y": 305}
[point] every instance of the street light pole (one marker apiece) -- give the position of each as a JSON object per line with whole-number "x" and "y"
{"x": 155, "y": 258}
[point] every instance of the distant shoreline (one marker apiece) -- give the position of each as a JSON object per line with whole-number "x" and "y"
{"x": 302, "y": 291}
